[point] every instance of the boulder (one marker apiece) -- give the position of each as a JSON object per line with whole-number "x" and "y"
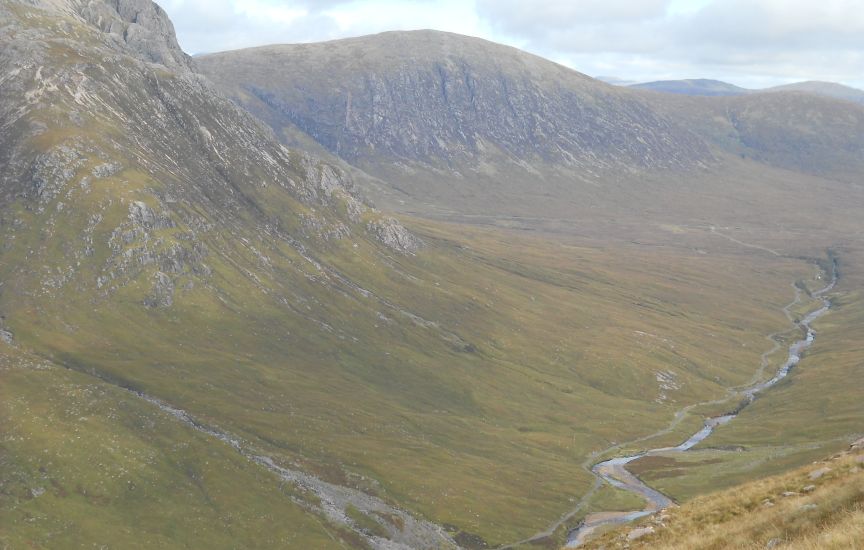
{"x": 816, "y": 474}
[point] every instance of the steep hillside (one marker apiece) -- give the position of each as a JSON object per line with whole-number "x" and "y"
{"x": 696, "y": 86}
{"x": 799, "y": 132}
{"x": 209, "y": 339}
{"x": 816, "y": 507}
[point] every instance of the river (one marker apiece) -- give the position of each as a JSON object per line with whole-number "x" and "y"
{"x": 614, "y": 471}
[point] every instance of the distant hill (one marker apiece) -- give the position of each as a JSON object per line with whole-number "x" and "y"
{"x": 448, "y": 101}
{"x": 449, "y": 123}
{"x": 454, "y": 123}
{"x": 708, "y": 87}
{"x": 696, "y": 86}
{"x": 828, "y": 89}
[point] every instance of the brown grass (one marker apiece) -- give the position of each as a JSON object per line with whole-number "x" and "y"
{"x": 757, "y": 514}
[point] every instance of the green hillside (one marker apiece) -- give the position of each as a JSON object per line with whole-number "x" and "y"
{"x": 210, "y": 340}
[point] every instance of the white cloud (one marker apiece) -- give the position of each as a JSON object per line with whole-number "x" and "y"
{"x": 749, "y": 42}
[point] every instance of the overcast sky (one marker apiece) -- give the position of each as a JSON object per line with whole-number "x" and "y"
{"x": 751, "y": 43}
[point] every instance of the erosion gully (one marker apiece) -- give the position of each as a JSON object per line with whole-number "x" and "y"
{"x": 614, "y": 471}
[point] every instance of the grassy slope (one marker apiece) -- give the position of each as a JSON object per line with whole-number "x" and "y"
{"x": 85, "y": 463}
{"x": 441, "y": 430}
{"x": 526, "y": 353}
{"x": 757, "y": 514}
{"x": 815, "y": 411}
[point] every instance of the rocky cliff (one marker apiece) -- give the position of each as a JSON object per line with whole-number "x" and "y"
{"x": 444, "y": 99}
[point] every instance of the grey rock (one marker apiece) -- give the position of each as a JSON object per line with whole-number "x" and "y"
{"x": 141, "y": 214}
{"x": 394, "y": 235}
{"x": 808, "y": 489}
{"x": 141, "y": 27}
{"x": 428, "y": 96}
{"x": 818, "y": 473}
{"x": 6, "y": 336}
{"x": 163, "y": 291}
{"x": 52, "y": 171}
{"x": 107, "y": 169}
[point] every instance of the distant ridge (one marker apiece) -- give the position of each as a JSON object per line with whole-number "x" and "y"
{"x": 827, "y": 89}
{"x": 708, "y": 87}
{"x": 697, "y": 86}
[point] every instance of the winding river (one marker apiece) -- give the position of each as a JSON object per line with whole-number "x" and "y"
{"x": 614, "y": 471}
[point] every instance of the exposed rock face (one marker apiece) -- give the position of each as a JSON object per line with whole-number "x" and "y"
{"x": 392, "y": 234}
{"x": 163, "y": 291}
{"x": 140, "y": 26}
{"x": 454, "y": 126}
{"x": 427, "y": 96}
{"x": 52, "y": 171}
{"x": 202, "y": 158}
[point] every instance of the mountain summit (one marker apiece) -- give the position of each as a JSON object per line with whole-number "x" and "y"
{"x": 423, "y": 106}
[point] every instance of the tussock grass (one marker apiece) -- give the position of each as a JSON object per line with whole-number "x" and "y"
{"x": 814, "y": 513}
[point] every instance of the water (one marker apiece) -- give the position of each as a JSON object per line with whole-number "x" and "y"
{"x": 614, "y": 470}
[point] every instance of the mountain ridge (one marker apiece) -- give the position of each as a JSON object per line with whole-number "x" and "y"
{"x": 431, "y": 115}
{"x": 464, "y": 80}
{"x": 708, "y": 87}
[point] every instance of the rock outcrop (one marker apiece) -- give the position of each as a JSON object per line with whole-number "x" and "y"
{"x": 448, "y": 100}
{"x": 140, "y": 27}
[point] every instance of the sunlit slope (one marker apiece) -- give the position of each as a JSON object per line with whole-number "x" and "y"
{"x": 816, "y": 410}
{"x": 84, "y": 463}
{"x": 814, "y": 507}
{"x": 157, "y": 238}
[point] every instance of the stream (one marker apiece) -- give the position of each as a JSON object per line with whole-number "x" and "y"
{"x": 614, "y": 471}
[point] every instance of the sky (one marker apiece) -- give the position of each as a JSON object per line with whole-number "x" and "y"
{"x": 751, "y": 43}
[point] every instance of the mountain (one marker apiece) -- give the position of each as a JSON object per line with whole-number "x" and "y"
{"x": 698, "y": 86}
{"x": 208, "y": 337}
{"x": 461, "y": 128}
{"x": 706, "y": 87}
{"x": 433, "y": 113}
{"x": 827, "y": 89}
{"x": 804, "y": 133}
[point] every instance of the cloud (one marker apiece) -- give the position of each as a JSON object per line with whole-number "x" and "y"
{"x": 749, "y": 42}
{"x": 752, "y": 42}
